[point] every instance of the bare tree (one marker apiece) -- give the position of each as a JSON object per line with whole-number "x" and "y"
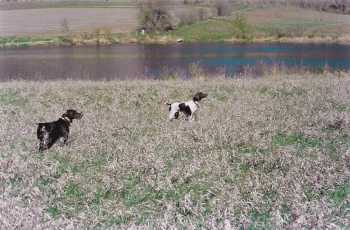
{"x": 65, "y": 26}
{"x": 223, "y": 7}
{"x": 155, "y": 16}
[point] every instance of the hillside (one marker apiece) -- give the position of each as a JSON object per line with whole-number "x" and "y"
{"x": 117, "y": 21}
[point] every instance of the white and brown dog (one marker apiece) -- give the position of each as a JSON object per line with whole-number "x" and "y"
{"x": 188, "y": 108}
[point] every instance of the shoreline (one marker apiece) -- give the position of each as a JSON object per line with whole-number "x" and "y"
{"x": 269, "y": 74}
{"x": 77, "y": 41}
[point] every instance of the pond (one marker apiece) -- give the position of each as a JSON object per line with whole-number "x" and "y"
{"x": 135, "y": 61}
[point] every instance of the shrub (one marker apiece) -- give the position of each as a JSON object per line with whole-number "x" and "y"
{"x": 241, "y": 28}
{"x": 154, "y": 16}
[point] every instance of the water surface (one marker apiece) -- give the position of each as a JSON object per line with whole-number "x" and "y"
{"x": 133, "y": 61}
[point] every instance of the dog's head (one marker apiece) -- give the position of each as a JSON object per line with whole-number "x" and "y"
{"x": 199, "y": 96}
{"x": 71, "y": 114}
{"x": 174, "y": 110}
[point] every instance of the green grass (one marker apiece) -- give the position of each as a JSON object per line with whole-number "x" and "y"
{"x": 340, "y": 194}
{"x": 54, "y": 212}
{"x": 28, "y": 41}
{"x": 260, "y": 220}
{"x": 88, "y": 38}
{"x": 295, "y": 139}
{"x": 216, "y": 30}
{"x": 212, "y": 30}
{"x": 12, "y": 97}
{"x": 259, "y": 157}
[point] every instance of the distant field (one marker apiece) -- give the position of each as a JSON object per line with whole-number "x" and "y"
{"x": 13, "y": 5}
{"x": 51, "y": 20}
{"x": 297, "y": 21}
{"x": 274, "y": 22}
{"x": 41, "y": 26}
{"x": 268, "y": 153}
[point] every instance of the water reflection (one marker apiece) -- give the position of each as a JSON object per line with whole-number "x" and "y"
{"x": 134, "y": 61}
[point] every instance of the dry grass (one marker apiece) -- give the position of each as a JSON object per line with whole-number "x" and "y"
{"x": 267, "y": 153}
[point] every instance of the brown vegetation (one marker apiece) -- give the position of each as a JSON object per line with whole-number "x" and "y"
{"x": 270, "y": 153}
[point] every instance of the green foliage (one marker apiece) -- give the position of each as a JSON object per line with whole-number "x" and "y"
{"x": 72, "y": 190}
{"x": 311, "y": 193}
{"x": 54, "y": 212}
{"x": 340, "y": 193}
{"x": 12, "y": 97}
{"x": 118, "y": 220}
{"x": 133, "y": 194}
{"x": 136, "y": 193}
{"x": 337, "y": 145}
{"x": 260, "y": 220}
{"x": 299, "y": 139}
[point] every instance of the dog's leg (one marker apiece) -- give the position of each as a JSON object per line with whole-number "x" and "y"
{"x": 187, "y": 117}
{"x": 195, "y": 117}
{"x": 63, "y": 140}
{"x": 41, "y": 146}
{"x": 50, "y": 143}
{"x": 44, "y": 141}
{"x": 190, "y": 118}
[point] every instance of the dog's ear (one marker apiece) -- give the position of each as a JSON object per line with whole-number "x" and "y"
{"x": 199, "y": 96}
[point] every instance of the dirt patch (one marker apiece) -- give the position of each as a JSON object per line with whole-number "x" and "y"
{"x": 59, "y": 20}
{"x": 286, "y": 17}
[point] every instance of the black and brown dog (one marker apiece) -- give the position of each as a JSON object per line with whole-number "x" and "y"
{"x": 49, "y": 132}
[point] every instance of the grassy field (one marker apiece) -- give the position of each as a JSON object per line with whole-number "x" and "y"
{"x": 268, "y": 153}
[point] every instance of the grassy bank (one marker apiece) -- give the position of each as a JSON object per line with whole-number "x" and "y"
{"x": 268, "y": 24}
{"x": 98, "y": 37}
{"x": 268, "y": 153}
{"x": 91, "y": 40}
